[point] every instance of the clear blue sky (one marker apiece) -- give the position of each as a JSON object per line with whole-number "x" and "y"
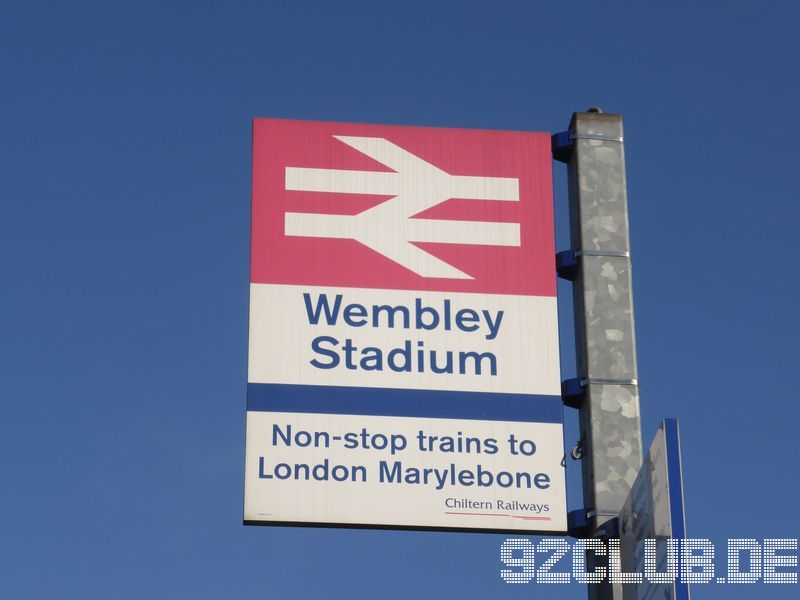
{"x": 124, "y": 224}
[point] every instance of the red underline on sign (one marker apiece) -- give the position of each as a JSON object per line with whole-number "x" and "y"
{"x": 474, "y": 514}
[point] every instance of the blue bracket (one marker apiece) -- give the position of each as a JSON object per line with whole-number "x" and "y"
{"x": 567, "y": 265}
{"x": 572, "y": 393}
{"x": 578, "y": 526}
{"x": 562, "y": 144}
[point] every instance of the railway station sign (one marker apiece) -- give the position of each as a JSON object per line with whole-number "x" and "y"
{"x": 403, "y": 364}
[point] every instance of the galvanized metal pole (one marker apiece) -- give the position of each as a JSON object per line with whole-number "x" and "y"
{"x": 606, "y": 392}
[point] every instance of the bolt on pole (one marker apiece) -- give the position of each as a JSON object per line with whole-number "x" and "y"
{"x": 608, "y": 398}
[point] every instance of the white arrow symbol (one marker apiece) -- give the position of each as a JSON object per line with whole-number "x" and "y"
{"x": 389, "y": 228}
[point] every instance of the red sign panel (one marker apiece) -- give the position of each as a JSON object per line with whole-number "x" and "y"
{"x": 413, "y": 208}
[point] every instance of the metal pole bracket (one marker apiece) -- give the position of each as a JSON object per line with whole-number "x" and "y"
{"x": 579, "y": 526}
{"x": 567, "y": 261}
{"x": 573, "y": 391}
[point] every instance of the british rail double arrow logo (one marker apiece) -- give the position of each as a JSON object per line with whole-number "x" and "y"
{"x": 390, "y": 228}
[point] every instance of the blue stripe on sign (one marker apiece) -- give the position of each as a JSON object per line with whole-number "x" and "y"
{"x": 404, "y": 403}
{"x": 675, "y": 482}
